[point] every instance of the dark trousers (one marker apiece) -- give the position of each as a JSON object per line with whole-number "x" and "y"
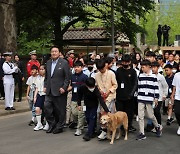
{"x": 165, "y": 108}
{"x": 157, "y": 112}
{"x": 19, "y": 82}
{"x": 128, "y": 107}
{"x": 55, "y": 110}
{"x": 159, "y": 40}
{"x": 165, "y": 40}
{"x": 177, "y": 110}
{"x": 91, "y": 115}
{"x": 2, "y": 89}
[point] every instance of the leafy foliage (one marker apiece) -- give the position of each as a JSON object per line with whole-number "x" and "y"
{"x": 165, "y": 14}
{"x": 42, "y": 22}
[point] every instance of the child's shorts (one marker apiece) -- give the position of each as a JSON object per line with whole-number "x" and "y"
{"x": 40, "y": 101}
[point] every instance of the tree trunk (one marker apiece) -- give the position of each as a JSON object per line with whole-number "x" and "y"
{"x": 58, "y": 34}
{"x": 7, "y": 26}
{"x": 57, "y": 26}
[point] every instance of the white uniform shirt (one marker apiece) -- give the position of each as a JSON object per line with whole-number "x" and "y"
{"x": 9, "y": 70}
{"x": 163, "y": 86}
{"x": 176, "y": 83}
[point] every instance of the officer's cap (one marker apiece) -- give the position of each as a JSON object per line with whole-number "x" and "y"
{"x": 7, "y": 53}
{"x": 33, "y": 52}
{"x": 71, "y": 52}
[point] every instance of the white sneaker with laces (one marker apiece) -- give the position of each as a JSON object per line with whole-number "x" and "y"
{"x": 103, "y": 135}
{"x": 38, "y": 127}
{"x": 178, "y": 131}
{"x": 78, "y": 132}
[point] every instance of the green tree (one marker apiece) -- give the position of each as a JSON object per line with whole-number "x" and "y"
{"x": 125, "y": 14}
{"x": 51, "y": 17}
{"x": 164, "y": 14}
{"x": 47, "y": 20}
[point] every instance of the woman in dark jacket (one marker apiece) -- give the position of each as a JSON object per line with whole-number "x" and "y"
{"x": 19, "y": 77}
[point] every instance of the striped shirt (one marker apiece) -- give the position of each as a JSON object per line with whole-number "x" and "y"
{"x": 148, "y": 89}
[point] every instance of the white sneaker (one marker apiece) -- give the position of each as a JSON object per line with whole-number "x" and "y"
{"x": 153, "y": 130}
{"x": 102, "y": 136}
{"x": 38, "y": 127}
{"x": 137, "y": 118}
{"x": 2, "y": 98}
{"x": 78, "y": 132}
{"x": 178, "y": 131}
{"x": 161, "y": 127}
{"x": 46, "y": 127}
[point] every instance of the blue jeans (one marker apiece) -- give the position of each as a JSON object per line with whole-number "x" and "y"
{"x": 91, "y": 115}
{"x": 32, "y": 108}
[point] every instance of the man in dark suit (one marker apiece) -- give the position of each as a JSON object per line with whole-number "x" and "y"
{"x": 56, "y": 83}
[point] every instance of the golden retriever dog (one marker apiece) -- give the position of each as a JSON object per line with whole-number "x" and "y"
{"x": 113, "y": 122}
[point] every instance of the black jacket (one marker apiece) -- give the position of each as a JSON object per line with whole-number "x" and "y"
{"x": 91, "y": 99}
{"x": 20, "y": 73}
{"x": 129, "y": 79}
{"x": 1, "y": 69}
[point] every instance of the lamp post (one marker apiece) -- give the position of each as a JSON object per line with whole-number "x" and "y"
{"x": 112, "y": 26}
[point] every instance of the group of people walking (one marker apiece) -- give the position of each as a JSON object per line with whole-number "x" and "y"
{"x": 73, "y": 91}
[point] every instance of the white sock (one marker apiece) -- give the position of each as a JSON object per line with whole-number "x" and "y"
{"x": 33, "y": 119}
{"x": 38, "y": 117}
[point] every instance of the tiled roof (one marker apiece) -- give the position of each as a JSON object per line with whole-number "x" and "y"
{"x": 91, "y": 34}
{"x": 81, "y": 34}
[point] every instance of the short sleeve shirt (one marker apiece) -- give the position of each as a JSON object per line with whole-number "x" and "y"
{"x": 176, "y": 83}
{"x": 40, "y": 85}
{"x": 31, "y": 80}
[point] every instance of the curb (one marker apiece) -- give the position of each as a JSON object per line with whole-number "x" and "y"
{"x": 13, "y": 112}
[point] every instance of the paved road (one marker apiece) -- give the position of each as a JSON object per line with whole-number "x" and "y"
{"x": 16, "y": 137}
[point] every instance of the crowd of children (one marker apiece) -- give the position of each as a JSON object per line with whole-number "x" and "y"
{"x": 112, "y": 83}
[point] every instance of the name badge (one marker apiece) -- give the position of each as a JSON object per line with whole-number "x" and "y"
{"x": 84, "y": 108}
{"x": 75, "y": 89}
{"x": 122, "y": 85}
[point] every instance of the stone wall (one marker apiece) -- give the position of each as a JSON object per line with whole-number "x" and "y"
{"x": 7, "y": 26}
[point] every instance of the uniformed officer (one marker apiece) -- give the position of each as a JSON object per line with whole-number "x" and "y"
{"x": 8, "y": 81}
{"x": 32, "y": 62}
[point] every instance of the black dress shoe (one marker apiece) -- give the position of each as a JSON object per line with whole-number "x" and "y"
{"x": 19, "y": 100}
{"x": 86, "y": 137}
{"x": 31, "y": 123}
{"x": 57, "y": 131}
{"x": 7, "y": 108}
{"x": 50, "y": 130}
{"x": 12, "y": 108}
{"x": 72, "y": 125}
{"x": 131, "y": 129}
